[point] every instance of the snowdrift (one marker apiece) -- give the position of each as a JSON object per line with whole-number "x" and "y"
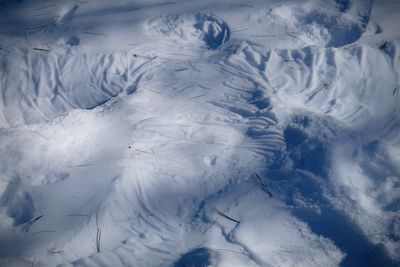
{"x": 199, "y": 134}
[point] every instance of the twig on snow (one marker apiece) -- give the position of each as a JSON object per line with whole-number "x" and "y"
{"x": 181, "y": 69}
{"x": 29, "y": 224}
{"x": 96, "y": 33}
{"x": 77, "y": 166}
{"x": 264, "y": 186}
{"x": 259, "y": 179}
{"x": 98, "y": 238}
{"x": 27, "y": 124}
{"x": 226, "y": 216}
{"x": 192, "y": 98}
{"x": 240, "y": 30}
{"x": 57, "y": 252}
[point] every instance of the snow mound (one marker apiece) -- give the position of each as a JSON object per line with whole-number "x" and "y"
{"x": 42, "y": 85}
{"x": 190, "y": 29}
{"x": 304, "y": 25}
{"x": 318, "y": 80}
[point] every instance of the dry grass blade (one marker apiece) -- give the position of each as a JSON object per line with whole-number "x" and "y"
{"x": 97, "y": 214}
{"x": 35, "y": 132}
{"x": 293, "y": 35}
{"x": 179, "y": 54}
{"x": 98, "y": 238}
{"x": 140, "y": 150}
{"x": 27, "y": 124}
{"x": 240, "y": 30}
{"x": 77, "y": 166}
{"x": 229, "y": 250}
{"x": 96, "y": 33}
{"x": 184, "y": 132}
{"x": 76, "y": 215}
{"x": 29, "y": 224}
{"x": 263, "y": 36}
{"x": 44, "y": 232}
{"x": 151, "y": 90}
{"x": 133, "y": 9}
{"x": 192, "y": 98}
{"x": 39, "y": 28}
{"x": 182, "y": 69}
{"x": 57, "y": 252}
{"x": 264, "y": 186}
{"x": 243, "y": 5}
{"x": 226, "y": 216}
{"x": 47, "y": 139}
{"x": 259, "y": 179}
{"x": 165, "y": 4}
{"x": 192, "y": 66}
{"x": 351, "y": 182}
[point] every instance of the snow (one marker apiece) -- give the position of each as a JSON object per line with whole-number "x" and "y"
{"x": 208, "y": 133}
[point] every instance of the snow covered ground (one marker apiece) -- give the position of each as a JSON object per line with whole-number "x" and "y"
{"x": 199, "y": 133}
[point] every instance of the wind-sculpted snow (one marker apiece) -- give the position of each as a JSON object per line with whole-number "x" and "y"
{"x": 315, "y": 79}
{"x": 191, "y": 29}
{"x": 38, "y": 87}
{"x": 201, "y": 145}
{"x": 304, "y": 24}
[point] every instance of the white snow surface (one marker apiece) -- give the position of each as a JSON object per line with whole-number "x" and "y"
{"x": 199, "y": 133}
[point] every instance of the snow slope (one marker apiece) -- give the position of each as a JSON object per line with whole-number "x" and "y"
{"x": 147, "y": 133}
